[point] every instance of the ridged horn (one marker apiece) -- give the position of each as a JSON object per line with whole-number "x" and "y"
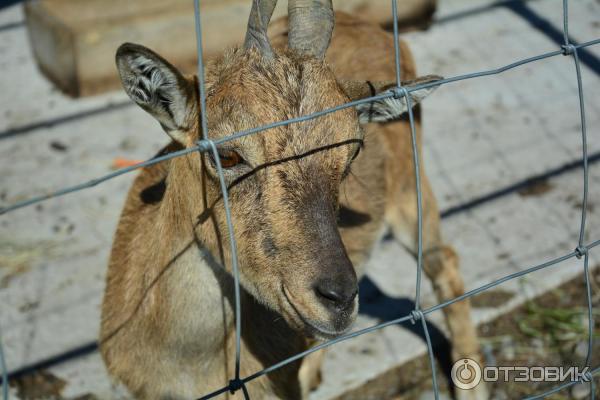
{"x": 256, "y": 35}
{"x": 310, "y": 26}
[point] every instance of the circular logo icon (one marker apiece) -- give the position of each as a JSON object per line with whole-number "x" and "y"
{"x": 466, "y": 373}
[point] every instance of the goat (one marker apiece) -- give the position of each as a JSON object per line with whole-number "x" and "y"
{"x": 308, "y": 200}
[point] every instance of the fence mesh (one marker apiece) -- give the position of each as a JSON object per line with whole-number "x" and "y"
{"x": 418, "y": 314}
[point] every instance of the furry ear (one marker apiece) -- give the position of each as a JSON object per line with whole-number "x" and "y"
{"x": 390, "y": 108}
{"x": 157, "y": 87}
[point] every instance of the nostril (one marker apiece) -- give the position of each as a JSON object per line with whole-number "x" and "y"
{"x": 330, "y": 294}
{"x": 336, "y": 295}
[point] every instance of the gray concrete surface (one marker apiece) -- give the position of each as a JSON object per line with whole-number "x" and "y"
{"x": 480, "y": 136}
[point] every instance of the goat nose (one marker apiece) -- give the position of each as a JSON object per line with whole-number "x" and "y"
{"x": 337, "y": 295}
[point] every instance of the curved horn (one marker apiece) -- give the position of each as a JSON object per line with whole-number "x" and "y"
{"x": 256, "y": 35}
{"x": 310, "y": 26}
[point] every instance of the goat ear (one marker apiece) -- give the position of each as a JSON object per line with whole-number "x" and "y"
{"x": 390, "y": 108}
{"x": 157, "y": 87}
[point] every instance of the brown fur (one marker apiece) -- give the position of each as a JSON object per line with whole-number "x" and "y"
{"x": 167, "y": 317}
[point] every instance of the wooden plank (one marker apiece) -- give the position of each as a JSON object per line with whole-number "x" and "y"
{"x": 74, "y": 41}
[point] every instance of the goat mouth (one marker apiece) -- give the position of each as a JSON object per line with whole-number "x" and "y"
{"x": 313, "y": 329}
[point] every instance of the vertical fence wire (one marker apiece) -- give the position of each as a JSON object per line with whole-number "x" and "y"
{"x": 396, "y": 43}
{"x": 4, "y": 370}
{"x": 232, "y": 242}
{"x": 583, "y": 143}
{"x": 581, "y": 249}
{"x": 417, "y": 314}
{"x": 402, "y": 92}
{"x": 590, "y": 306}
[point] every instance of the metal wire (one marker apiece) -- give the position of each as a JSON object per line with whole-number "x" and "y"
{"x": 201, "y": 86}
{"x": 4, "y": 370}
{"x": 581, "y": 249}
{"x": 203, "y": 146}
{"x": 234, "y": 262}
{"x": 417, "y": 315}
{"x": 232, "y": 241}
{"x": 396, "y": 44}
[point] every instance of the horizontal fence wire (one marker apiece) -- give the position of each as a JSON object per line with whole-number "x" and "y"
{"x": 417, "y": 315}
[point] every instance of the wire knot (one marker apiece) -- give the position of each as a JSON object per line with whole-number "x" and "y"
{"x": 580, "y": 251}
{"x": 204, "y": 145}
{"x": 235, "y": 385}
{"x": 567, "y": 49}
{"x": 416, "y": 315}
{"x": 399, "y": 92}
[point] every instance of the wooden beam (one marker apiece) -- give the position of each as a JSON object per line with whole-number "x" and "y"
{"x": 74, "y": 41}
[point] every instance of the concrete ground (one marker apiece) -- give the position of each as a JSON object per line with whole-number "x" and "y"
{"x": 480, "y": 137}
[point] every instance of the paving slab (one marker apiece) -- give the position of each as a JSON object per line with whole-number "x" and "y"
{"x": 11, "y": 17}
{"x": 480, "y": 136}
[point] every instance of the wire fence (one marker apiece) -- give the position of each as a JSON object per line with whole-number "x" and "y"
{"x": 418, "y": 314}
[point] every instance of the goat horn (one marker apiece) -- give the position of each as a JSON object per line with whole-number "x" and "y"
{"x": 256, "y": 35}
{"x": 310, "y": 26}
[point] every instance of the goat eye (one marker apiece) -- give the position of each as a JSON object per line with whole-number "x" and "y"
{"x": 229, "y": 158}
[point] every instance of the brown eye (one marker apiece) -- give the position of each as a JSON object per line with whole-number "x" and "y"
{"x": 229, "y": 158}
